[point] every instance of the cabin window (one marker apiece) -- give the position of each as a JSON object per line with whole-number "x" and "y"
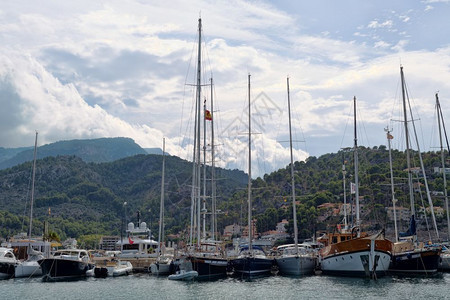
{"x": 334, "y": 240}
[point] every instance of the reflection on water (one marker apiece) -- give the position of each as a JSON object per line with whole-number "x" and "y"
{"x": 145, "y": 286}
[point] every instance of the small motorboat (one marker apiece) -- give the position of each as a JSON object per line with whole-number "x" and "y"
{"x": 113, "y": 268}
{"x": 184, "y": 275}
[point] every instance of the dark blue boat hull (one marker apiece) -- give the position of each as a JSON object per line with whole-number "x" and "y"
{"x": 416, "y": 263}
{"x": 252, "y": 266}
{"x": 54, "y": 269}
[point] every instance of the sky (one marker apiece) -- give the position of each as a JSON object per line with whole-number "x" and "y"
{"x": 89, "y": 69}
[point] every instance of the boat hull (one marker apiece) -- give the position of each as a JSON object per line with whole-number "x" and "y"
{"x": 6, "y": 270}
{"x": 424, "y": 262}
{"x": 162, "y": 268}
{"x": 209, "y": 268}
{"x": 357, "y": 263}
{"x": 357, "y": 257}
{"x": 184, "y": 275}
{"x": 296, "y": 265}
{"x": 445, "y": 262}
{"x": 28, "y": 269}
{"x": 252, "y": 266}
{"x": 54, "y": 269}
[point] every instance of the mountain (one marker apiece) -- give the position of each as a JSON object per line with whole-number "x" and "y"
{"x": 8, "y": 153}
{"x": 80, "y": 198}
{"x": 92, "y": 150}
{"x": 154, "y": 151}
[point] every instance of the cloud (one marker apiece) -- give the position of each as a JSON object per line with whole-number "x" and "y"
{"x": 125, "y": 69}
{"x": 376, "y": 24}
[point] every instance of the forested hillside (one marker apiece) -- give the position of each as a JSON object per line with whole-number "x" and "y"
{"x": 79, "y": 198}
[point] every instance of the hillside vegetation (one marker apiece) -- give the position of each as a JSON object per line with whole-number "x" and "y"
{"x": 80, "y": 198}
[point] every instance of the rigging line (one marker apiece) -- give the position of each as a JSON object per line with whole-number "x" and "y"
{"x": 182, "y": 136}
{"x": 346, "y": 124}
{"x": 411, "y": 108}
{"x": 26, "y": 198}
{"x": 434, "y": 128}
{"x": 363, "y": 131}
{"x": 443, "y": 126}
{"x": 423, "y": 205}
{"x": 206, "y": 53}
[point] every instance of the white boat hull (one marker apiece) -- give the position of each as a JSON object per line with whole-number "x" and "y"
{"x": 184, "y": 275}
{"x": 296, "y": 265}
{"x": 28, "y": 269}
{"x": 445, "y": 262}
{"x": 356, "y": 263}
{"x": 122, "y": 269}
{"x": 160, "y": 268}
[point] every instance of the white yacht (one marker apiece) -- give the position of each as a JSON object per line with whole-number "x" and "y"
{"x": 8, "y": 262}
{"x": 296, "y": 261}
{"x": 138, "y": 244}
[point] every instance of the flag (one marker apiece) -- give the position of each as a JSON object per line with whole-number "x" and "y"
{"x": 130, "y": 241}
{"x": 208, "y": 115}
{"x": 390, "y": 136}
{"x": 352, "y": 188}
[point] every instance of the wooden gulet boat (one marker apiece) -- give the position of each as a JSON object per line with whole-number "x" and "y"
{"x": 350, "y": 252}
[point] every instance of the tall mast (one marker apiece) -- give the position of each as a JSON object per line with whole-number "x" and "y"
{"x": 344, "y": 172}
{"x": 444, "y": 174}
{"x": 213, "y": 172}
{"x": 199, "y": 91}
{"x": 204, "y": 171}
{"x": 389, "y": 138}
{"x": 249, "y": 173}
{"x": 408, "y": 154}
{"x": 32, "y": 186}
{"x": 355, "y": 155}
{"x": 161, "y": 207}
{"x": 294, "y": 209}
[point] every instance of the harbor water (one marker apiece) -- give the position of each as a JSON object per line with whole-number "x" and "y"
{"x": 145, "y": 286}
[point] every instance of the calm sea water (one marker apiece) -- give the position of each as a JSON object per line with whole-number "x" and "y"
{"x": 144, "y": 286}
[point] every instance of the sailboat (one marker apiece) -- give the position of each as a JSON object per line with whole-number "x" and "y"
{"x": 164, "y": 262}
{"x": 30, "y": 266}
{"x": 350, "y": 252}
{"x": 252, "y": 260}
{"x": 409, "y": 256}
{"x": 445, "y": 255}
{"x": 206, "y": 256}
{"x": 294, "y": 259}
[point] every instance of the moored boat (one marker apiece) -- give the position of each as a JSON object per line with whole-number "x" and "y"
{"x": 252, "y": 262}
{"x": 8, "y": 262}
{"x": 349, "y": 255}
{"x": 409, "y": 256}
{"x": 113, "y": 268}
{"x": 66, "y": 265}
{"x": 445, "y": 259}
{"x": 30, "y": 266}
{"x": 350, "y": 252}
{"x": 184, "y": 275}
{"x": 294, "y": 259}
